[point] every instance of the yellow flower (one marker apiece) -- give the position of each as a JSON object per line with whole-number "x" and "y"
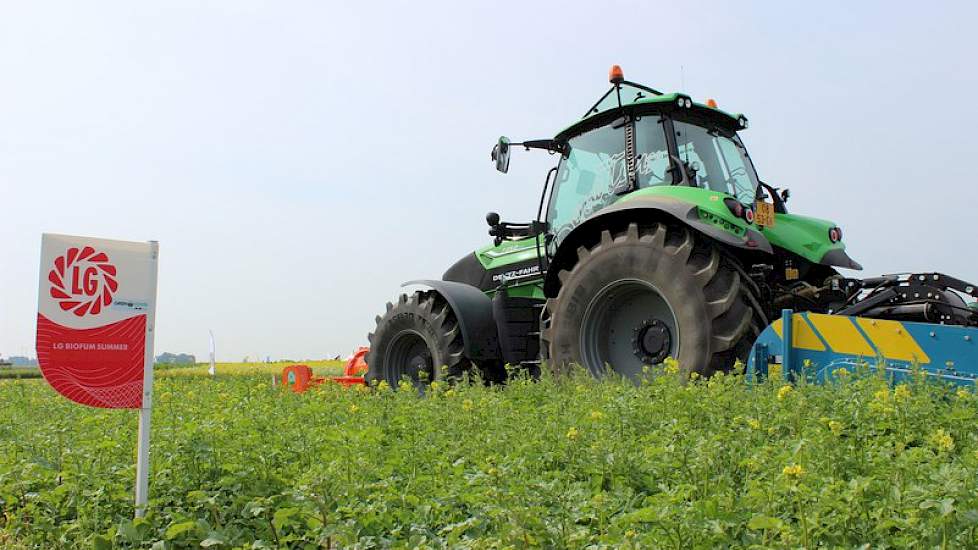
{"x": 794, "y": 471}
{"x": 492, "y": 471}
{"x": 694, "y": 375}
{"x": 882, "y": 396}
{"x": 404, "y": 385}
{"x": 449, "y": 393}
{"x": 774, "y": 372}
{"x": 784, "y": 392}
{"x": 383, "y": 385}
{"x": 354, "y": 408}
{"x": 467, "y": 404}
{"x": 942, "y": 441}
{"x": 754, "y": 423}
{"x": 671, "y": 365}
{"x": 630, "y": 533}
{"x": 597, "y": 415}
{"x": 841, "y": 373}
{"x": 436, "y": 385}
{"x": 572, "y": 434}
{"x": 962, "y": 393}
{"x": 835, "y": 426}
{"x": 901, "y": 393}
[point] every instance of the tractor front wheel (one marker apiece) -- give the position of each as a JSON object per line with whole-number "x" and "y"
{"x": 418, "y": 340}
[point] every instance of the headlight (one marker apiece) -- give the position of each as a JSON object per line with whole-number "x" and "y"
{"x": 835, "y": 234}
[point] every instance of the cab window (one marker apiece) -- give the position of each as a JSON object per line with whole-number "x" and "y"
{"x": 651, "y": 152}
{"x": 587, "y": 177}
{"x": 716, "y": 160}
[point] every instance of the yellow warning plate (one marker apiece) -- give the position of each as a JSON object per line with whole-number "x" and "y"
{"x": 764, "y": 214}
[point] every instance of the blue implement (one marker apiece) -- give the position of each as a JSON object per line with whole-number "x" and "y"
{"x": 822, "y": 344}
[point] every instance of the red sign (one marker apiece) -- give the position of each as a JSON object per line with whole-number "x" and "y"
{"x": 96, "y": 306}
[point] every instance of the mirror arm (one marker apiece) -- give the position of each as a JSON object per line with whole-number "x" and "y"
{"x": 551, "y": 145}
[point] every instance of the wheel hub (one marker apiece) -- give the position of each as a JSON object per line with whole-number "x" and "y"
{"x": 652, "y": 341}
{"x": 408, "y": 356}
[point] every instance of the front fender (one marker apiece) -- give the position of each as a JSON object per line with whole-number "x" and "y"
{"x": 473, "y": 310}
{"x": 650, "y": 209}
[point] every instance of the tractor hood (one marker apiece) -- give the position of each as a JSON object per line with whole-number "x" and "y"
{"x": 810, "y": 238}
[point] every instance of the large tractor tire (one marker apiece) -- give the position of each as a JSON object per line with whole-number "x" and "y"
{"x": 417, "y": 339}
{"x": 645, "y": 294}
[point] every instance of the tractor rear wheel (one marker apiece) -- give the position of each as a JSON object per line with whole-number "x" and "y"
{"x": 645, "y": 294}
{"x": 417, "y": 339}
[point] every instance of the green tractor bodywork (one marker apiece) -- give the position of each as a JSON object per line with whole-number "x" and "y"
{"x": 642, "y": 177}
{"x": 805, "y": 236}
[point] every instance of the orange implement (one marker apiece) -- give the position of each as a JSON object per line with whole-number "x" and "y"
{"x": 299, "y": 377}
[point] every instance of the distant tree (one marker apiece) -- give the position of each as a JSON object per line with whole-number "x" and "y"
{"x": 176, "y": 358}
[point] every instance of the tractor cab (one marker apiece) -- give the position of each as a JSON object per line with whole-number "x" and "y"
{"x": 647, "y": 139}
{"x": 635, "y": 137}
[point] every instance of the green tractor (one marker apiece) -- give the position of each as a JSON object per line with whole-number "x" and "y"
{"x": 654, "y": 238}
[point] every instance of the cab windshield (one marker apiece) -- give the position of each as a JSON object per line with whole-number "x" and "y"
{"x": 716, "y": 160}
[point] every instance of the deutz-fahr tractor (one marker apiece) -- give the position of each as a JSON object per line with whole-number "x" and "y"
{"x": 655, "y": 238}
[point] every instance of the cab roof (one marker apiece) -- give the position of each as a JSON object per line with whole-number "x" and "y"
{"x": 627, "y": 97}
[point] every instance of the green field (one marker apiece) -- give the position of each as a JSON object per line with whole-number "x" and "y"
{"x": 319, "y": 367}
{"x": 573, "y": 463}
{"x": 19, "y": 372}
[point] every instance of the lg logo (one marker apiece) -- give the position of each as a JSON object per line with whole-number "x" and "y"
{"x": 83, "y": 281}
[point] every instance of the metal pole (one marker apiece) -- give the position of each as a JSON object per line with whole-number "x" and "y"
{"x": 142, "y": 454}
{"x": 787, "y": 336}
{"x": 212, "y": 370}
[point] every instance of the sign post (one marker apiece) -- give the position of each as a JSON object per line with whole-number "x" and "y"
{"x": 212, "y": 370}
{"x": 96, "y": 318}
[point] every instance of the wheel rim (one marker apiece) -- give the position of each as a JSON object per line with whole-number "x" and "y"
{"x": 628, "y": 325}
{"x": 408, "y": 356}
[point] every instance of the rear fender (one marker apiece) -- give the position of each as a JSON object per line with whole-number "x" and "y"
{"x": 646, "y": 209}
{"x": 473, "y": 309}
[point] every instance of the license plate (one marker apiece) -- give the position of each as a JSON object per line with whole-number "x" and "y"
{"x": 764, "y": 214}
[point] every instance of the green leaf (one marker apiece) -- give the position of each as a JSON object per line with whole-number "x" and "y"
{"x": 947, "y": 507}
{"x": 212, "y": 541}
{"x": 101, "y": 543}
{"x": 760, "y": 522}
{"x": 283, "y": 516}
{"x": 177, "y": 529}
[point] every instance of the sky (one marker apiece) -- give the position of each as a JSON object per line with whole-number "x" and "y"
{"x": 297, "y": 161}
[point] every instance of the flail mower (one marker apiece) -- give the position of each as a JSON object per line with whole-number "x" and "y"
{"x": 655, "y": 237}
{"x": 300, "y": 378}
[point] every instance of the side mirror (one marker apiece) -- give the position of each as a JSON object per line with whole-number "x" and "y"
{"x": 785, "y": 193}
{"x": 500, "y": 154}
